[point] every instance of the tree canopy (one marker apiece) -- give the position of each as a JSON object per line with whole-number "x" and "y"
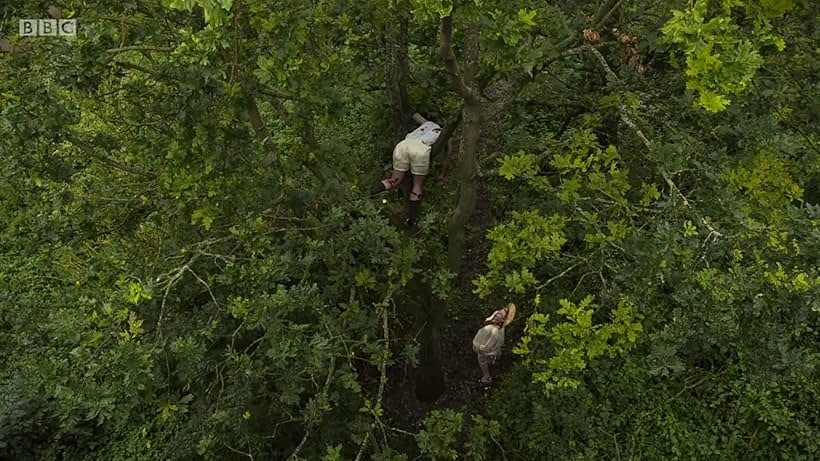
{"x": 192, "y": 269}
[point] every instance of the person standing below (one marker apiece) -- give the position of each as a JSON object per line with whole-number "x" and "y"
{"x": 489, "y": 340}
{"x": 413, "y": 154}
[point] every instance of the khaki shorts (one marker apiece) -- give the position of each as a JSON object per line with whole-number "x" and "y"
{"x": 413, "y": 155}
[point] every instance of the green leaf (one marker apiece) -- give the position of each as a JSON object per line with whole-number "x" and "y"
{"x": 527, "y": 17}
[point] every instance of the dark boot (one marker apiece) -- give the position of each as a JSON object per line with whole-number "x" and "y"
{"x": 413, "y": 208}
{"x": 377, "y": 189}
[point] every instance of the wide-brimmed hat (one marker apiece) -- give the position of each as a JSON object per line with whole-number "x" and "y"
{"x": 510, "y": 314}
{"x": 493, "y": 318}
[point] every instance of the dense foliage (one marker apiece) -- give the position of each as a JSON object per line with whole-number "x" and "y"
{"x": 190, "y": 269}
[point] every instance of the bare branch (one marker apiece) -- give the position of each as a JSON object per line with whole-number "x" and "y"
{"x": 382, "y": 371}
{"x": 123, "y": 49}
{"x": 206, "y": 286}
{"x": 137, "y": 67}
{"x": 323, "y": 395}
{"x": 247, "y": 454}
{"x": 606, "y": 9}
{"x": 585, "y": 276}
{"x": 566, "y": 271}
{"x": 177, "y": 275}
{"x": 646, "y": 142}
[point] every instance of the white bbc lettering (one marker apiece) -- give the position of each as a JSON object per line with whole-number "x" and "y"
{"x": 67, "y": 27}
{"x": 48, "y": 27}
{"x": 28, "y": 27}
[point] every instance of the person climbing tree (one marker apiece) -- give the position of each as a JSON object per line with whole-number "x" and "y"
{"x": 413, "y": 154}
{"x": 489, "y": 340}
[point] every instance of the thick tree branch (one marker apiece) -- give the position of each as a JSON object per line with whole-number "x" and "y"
{"x": 471, "y": 49}
{"x": 450, "y": 61}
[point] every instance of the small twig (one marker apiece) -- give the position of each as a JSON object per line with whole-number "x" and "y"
{"x": 582, "y": 279}
{"x": 276, "y": 427}
{"x": 341, "y": 340}
{"x": 503, "y": 453}
{"x": 419, "y": 119}
{"x": 240, "y": 452}
{"x": 255, "y": 342}
{"x": 539, "y": 287}
{"x": 322, "y": 396}
{"x": 171, "y": 282}
{"x": 123, "y": 49}
{"x": 118, "y": 19}
{"x": 400, "y": 431}
{"x": 206, "y": 286}
{"x": 235, "y": 332}
{"x": 615, "y": 440}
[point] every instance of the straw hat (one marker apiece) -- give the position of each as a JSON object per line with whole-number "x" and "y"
{"x": 507, "y": 319}
{"x": 510, "y": 314}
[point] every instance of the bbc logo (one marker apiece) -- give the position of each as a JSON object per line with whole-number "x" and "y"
{"x": 48, "y": 27}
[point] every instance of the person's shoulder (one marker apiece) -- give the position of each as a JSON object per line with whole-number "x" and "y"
{"x": 484, "y": 330}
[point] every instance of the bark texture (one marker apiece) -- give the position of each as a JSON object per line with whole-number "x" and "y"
{"x": 396, "y": 67}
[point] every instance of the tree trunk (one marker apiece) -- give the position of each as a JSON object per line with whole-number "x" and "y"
{"x": 468, "y": 185}
{"x": 430, "y": 377}
{"x": 396, "y": 67}
{"x": 467, "y": 86}
{"x": 430, "y": 383}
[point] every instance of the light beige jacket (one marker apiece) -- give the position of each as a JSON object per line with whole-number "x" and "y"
{"x": 489, "y": 340}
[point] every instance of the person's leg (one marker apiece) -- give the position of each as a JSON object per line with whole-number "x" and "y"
{"x": 386, "y": 184}
{"x": 484, "y": 364}
{"x": 418, "y": 186}
{"x": 414, "y": 205}
{"x": 401, "y": 163}
{"x": 394, "y": 180}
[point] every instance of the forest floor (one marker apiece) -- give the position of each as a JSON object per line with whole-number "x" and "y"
{"x": 465, "y": 315}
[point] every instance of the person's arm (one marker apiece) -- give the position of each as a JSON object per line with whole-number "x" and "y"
{"x": 481, "y": 339}
{"x": 446, "y": 166}
{"x": 489, "y": 340}
{"x": 419, "y": 119}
